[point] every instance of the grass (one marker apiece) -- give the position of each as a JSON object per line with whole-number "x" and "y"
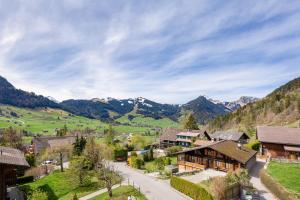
{"x": 287, "y": 174}
{"x": 121, "y": 193}
{"x": 59, "y": 186}
{"x": 46, "y": 121}
{"x": 151, "y": 167}
{"x": 142, "y": 121}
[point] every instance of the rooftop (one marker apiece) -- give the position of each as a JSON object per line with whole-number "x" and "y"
{"x": 11, "y": 156}
{"x": 234, "y": 136}
{"x": 278, "y": 135}
{"x": 228, "y": 148}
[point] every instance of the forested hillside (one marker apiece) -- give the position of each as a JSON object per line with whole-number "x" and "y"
{"x": 281, "y": 107}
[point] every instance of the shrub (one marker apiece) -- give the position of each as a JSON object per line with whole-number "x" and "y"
{"x": 159, "y": 163}
{"x": 38, "y": 195}
{"x": 136, "y": 162}
{"x": 171, "y": 150}
{"x": 253, "y": 145}
{"x": 218, "y": 186}
{"x": 120, "y": 154}
{"x": 25, "y": 179}
{"x": 190, "y": 189}
{"x": 275, "y": 187}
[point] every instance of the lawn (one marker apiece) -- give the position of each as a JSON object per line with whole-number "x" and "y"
{"x": 59, "y": 186}
{"x": 151, "y": 167}
{"x": 121, "y": 193}
{"x": 287, "y": 174}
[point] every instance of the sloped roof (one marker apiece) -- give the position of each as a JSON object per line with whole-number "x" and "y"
{"x": 234, "y": 136}
{"x": 228, "y": 148}
{"x": 55, "y": 141}
{"x": 278, "y": 135}
{"x": 11, "y": 156}
{"x": 202, "y": 142}
{"x": 170, "y": 134}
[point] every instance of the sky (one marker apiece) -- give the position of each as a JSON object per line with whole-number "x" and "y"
{"x": 167, "y": 51}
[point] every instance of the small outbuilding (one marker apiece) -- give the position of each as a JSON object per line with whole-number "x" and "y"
{"x": 10, "y": 159}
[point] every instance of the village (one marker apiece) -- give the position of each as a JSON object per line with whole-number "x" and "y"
{"x": 221, "y": 165}
{"x": 149, "y": 100}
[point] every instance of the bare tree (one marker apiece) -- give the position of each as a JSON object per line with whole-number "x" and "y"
{"x": 218, "y": 187}
{"x": 62, "y": 151}
{"x": 108, "y": 175}
{"x": 11, "y": 138}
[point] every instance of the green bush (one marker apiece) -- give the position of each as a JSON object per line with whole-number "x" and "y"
{"x": 137, "y": 162}
{"x": 171, "y": 150}
{"x": 253, "y": 145}
{"x": 120, "y": 154}
{"x": 25, "y": 179}
{"x": 38, "y": 195}
{"x": 275, "y": 187}
{"x": 190, "y": 189}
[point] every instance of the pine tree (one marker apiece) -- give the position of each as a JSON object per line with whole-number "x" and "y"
{"x": 189, "y": 122}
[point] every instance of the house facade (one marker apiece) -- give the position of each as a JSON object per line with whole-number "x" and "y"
{"x": 42, "y": 143}
{"x": 239, "y": 137}
{"x": 173, "y": 137}
{"x": 222, "y": 155}
{"x": 279, "y": 142}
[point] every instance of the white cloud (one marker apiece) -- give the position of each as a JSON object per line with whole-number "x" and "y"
{"x": 169, "y": 52}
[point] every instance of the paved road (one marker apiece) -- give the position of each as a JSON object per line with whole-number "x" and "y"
{"x": 153, "y": 189}
{"x": 264, "y": 193}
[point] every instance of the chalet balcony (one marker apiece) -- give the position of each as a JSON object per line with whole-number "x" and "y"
{"x": 191, "y": 165}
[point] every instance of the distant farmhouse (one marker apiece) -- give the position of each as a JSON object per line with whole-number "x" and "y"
{"x": 42, "y": 143}
{"x": 239, "y": 137}
{"x": 222, "y": 155}
{"x": 10, "y": 159}
{"x": 172, "y": 137}
{"x": 279, "y": 142}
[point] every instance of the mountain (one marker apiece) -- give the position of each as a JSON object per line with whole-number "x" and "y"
{"x": 281, "y": 107}
{"x": 242, "y": 101}
{"x": 12, "y": 96}
{"x": 113, "y": 108}
{"x": 110, "y": 108}
{"x": 205, "y": 109}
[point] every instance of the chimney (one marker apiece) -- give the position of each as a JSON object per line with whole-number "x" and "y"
{"x": 239, "y": 145}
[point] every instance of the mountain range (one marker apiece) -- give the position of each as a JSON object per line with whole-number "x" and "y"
{"x": 204, "y": 108}
{"x": 281, "y": 107}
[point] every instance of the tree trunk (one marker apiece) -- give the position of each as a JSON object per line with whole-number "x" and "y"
{"x": 61, "y": 162}
{"x": 109, "y": 190}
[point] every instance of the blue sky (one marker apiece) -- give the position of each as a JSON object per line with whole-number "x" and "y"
{"x": 168, "y": 51}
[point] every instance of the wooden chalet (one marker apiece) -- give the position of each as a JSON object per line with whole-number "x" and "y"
{"x": 10, "y": 159}
{"x": 279, "y": 142}
{"x": 239, "y": 137}
{"x": 173, "y": 137}
{"x": 222, "y": 155}
{"x": 42, "y": 143}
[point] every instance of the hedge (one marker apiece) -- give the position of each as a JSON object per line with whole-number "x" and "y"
{"x": 190, "y": 189}
{"x": 25, "y": 179}
{"x": 278, "y": 190}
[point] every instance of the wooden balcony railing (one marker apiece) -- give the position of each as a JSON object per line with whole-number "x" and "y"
{"x": 191, "y": 164}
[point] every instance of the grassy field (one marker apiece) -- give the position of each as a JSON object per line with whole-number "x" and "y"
{"x": 121, "y": 193}
{"x": 142, "y": 121}
{"x": 59, "y": 186}
{"x": 46, "y": 121}
{"x": 287, "y": 174}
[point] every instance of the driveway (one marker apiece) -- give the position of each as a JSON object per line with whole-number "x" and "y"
{"x": 152, "y": 188}
{"x": 264, "y": 193}
{"x": 203, "y": 175}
